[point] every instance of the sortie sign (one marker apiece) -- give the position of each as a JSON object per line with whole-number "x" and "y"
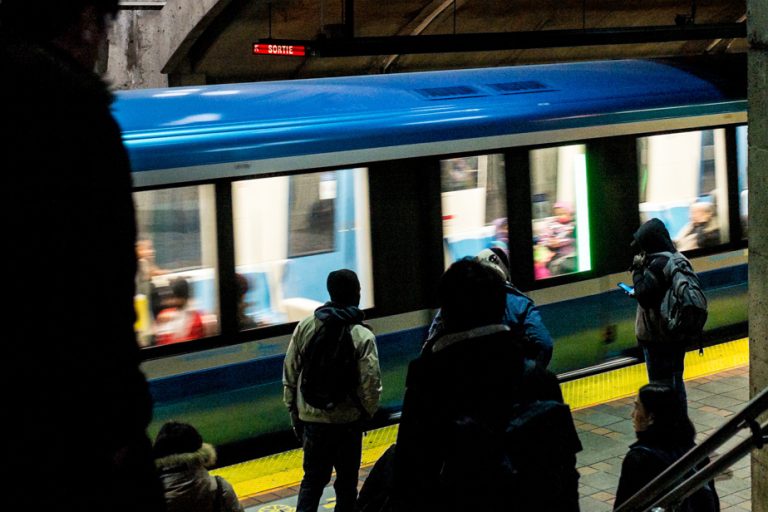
{"x": 289, "y": 50}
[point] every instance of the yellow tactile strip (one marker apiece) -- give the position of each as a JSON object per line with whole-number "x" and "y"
{"x": 284, "y": 469}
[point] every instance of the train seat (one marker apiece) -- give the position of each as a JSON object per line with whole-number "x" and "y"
{"x": 258, "y": 299}
{"x": 298, "y": 308}
{"x": 461, "y": 246}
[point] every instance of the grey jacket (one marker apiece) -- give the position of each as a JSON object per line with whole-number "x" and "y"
{"x": 190, "y": 488}
{"x": 369, "y": 387}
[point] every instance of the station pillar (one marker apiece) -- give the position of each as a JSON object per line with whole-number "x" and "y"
{"x": 757, "y": 33}
{"x": 146, "y": 45}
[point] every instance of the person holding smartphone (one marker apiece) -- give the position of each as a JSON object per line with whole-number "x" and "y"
{"x": 664, "y": 355}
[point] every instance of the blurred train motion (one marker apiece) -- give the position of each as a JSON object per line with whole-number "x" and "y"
{"x": 247, "y": 195}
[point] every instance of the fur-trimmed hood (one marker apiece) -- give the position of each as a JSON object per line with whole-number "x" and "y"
{"x": 205, "y": 457}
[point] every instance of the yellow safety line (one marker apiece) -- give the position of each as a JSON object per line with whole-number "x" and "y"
{"x": 624, "y": 382}
{"x": 285, "y": 469}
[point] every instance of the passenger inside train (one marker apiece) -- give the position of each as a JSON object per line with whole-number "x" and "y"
{"x": 702, "y": 230}
{"x": 179, "y": 321}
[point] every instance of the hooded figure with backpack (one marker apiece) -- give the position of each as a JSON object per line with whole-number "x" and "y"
{"x": 671, "y": 308}
{"x": 332, "y": 381}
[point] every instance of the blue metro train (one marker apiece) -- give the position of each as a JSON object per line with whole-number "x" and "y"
{"x": 252, "y": 193}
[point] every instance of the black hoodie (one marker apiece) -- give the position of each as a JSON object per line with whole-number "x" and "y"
{"x": 649, "y": 280}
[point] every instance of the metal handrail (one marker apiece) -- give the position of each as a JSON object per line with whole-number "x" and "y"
{"x": 710, "y": 471}
{"x": 648, "y": 496}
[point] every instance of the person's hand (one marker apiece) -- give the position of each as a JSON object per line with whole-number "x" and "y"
{"x": 638, "y": 261}
{"x": 298, "y": 427}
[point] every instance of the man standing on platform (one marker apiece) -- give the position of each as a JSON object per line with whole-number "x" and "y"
{"x": 332, "y": 381}
{"x": 76, "y": 402}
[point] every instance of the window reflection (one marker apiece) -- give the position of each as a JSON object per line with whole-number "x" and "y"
{"x": 741, "y": 160}
{"x": 474, "y": 205}
{"x": 560, "y": 211}
{"x": 290, "y": 232}
{"x": 176, "y": 298}
{"x": 683, "y": 183}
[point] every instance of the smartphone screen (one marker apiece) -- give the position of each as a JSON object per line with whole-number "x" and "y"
{"x": 628, "y": 289}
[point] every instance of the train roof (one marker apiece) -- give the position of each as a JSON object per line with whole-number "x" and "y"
{"x": 183, "y": 127}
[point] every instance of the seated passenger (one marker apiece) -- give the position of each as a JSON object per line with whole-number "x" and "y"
{"x": 702, "y": 229}
{"x": 243, "y": 319}
{"x": 456, "y": 441}
{"x": 520, "y": 313}
{"x": 181, "y": 459}
{"x": 178, "y": 322}
{"x": 559, "y": 238}
{"x": 664, "y": 434}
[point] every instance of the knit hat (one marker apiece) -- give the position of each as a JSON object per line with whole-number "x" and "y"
{"x": 176, "y": 437}
{"x": 496, "y": 258}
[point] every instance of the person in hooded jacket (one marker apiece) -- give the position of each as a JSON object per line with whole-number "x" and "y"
{"x": 181, "y": 457}
{"x": 664, "y": 355}
{"x": 332, "y": 438}
{"x": 520, "y": 314}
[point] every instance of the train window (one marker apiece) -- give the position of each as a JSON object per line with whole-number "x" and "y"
{"x": 176, "y": 296}
{"x": 311, "y": 220}
{"x": 560, "y": 211}
{"x": 290, "y": 232}
{"x": 683, "y": 183}
{"x": 474, "y": 208}
{"x": 741, "y": 161}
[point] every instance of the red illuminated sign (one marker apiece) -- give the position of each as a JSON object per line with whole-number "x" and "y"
{"x": 289, "y": 50}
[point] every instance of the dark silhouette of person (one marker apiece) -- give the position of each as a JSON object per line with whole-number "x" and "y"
{"x": 520, "y": 313}
{"x": 72, "y": 384}
{"x": 461, "y": 393}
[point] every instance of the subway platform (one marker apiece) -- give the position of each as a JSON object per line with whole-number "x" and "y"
{"x": 717, "y": 385}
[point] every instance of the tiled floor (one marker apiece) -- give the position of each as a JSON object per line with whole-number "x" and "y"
{"x": 606, "y": 432}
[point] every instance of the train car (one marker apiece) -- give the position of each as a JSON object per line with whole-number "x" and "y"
{"x": 247, "y": 195}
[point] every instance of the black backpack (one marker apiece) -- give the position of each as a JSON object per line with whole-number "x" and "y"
{"x": 684, "y": 306}
{"x": 330, "y": 373}
{"x": 531, "y": 463}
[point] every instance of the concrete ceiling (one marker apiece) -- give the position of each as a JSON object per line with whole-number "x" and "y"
{"x": 221, "y": 53}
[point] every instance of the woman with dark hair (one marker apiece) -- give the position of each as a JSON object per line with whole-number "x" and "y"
{"x": 664, "y": 434}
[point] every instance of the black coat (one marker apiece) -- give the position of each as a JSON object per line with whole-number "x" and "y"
{"x": 654, "y": 452}
{"x": 458, "y": 402}
{"x": 72, "y": 380}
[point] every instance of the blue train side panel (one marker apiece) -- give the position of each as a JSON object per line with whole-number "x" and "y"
{"x": 174, "y": 128}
